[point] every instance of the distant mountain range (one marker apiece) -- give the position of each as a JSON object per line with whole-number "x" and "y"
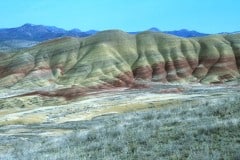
{"x": 39, "y": 33}
{"x": 29, "y": 35}
{"x": 181, "y": 33}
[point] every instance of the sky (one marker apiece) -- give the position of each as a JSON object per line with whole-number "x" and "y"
{"x": 207, "y": 16}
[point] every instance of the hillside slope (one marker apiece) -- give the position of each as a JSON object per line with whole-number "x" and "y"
{"x": 70, "y": 66}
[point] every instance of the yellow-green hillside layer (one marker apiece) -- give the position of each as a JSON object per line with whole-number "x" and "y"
{"x": 115, "y": 58}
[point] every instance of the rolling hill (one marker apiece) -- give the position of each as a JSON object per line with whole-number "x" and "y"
{"x": 116, "y": 59}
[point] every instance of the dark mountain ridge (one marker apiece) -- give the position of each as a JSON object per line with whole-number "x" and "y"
{"x": 41, "y": 33}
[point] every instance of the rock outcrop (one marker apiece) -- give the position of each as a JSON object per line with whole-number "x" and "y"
{"x": 68, "y": 66}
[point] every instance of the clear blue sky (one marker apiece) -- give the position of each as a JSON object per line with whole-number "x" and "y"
{"x": 209, "y": 16}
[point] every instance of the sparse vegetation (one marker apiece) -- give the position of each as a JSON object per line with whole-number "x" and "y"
{"x": 25, "y": 120}
{"x": 197, "y": 129}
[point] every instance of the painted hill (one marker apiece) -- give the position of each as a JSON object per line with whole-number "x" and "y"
{"x": 72, "y": 66}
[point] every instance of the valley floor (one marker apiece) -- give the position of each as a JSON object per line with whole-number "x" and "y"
{"x": 159, "y": 122}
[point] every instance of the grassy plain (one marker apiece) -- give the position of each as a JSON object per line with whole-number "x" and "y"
{"x": 206, "y": 126}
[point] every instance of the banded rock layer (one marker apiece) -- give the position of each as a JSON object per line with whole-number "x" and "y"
{"x": 116, "y": 59}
